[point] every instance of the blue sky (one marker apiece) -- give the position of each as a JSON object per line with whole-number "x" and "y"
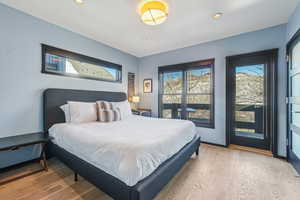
{"x": 251, "y": 69}
{"x": 176, "y": 75}
{"x": 112, "y": 71}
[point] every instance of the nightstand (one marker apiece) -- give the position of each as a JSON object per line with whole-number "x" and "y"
{"x": 142, "y": 112}
{"x": 16, "y": 142}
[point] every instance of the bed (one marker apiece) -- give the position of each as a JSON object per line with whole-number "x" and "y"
{"x": 135, "y": 184}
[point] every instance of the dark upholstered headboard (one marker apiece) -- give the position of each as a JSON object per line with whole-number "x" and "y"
{"x": 54, "y": 98}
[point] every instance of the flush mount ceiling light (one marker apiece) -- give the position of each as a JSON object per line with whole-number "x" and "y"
{"x": 217, "y": 15}
{"x": 80, "y": 2}
{"x": 153, "y": 12}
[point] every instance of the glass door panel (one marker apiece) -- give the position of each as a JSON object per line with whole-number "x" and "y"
{"x": 198, "y": 108}
{"x": 249, "y": 101}
{"x": 295, "y": 81}
{"x": 295, "y": 113}
{"x": 296, "y": 144}
{"x": 172, "y": 94}
{"x": 295, "y": 56}
{"x": 295, "y": 129}
{"x": 199, "y": 95}
{"x": 171, "y": 106}
{"x": 199, "y": 81}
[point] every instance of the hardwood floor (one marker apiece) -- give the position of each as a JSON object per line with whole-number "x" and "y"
{"x": 217, "y": 174}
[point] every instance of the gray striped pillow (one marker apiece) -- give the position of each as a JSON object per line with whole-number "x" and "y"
{"x": 107, "y": 113}
{"x": 105, "y": 105}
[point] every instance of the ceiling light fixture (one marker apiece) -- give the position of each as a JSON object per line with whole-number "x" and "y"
{"x": 80, "y": 2}
{"x": 153, "y": 12}
{"x": 218, "y": 15}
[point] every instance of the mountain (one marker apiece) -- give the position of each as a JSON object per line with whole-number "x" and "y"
{"x": 249, "y": 91}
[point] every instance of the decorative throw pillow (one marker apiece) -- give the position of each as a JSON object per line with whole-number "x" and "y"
{"x": 109, "y": 115}
{"x": 82, "y": 112}
{"x": 104, "y": 105}
{"x": 124, "y": 107}
{"x": 107, "y": 112}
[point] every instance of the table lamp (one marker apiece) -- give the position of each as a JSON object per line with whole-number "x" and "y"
{"x": 135, "y": 100}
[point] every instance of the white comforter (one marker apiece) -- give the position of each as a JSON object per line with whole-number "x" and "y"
{"x": 130, "y": 149}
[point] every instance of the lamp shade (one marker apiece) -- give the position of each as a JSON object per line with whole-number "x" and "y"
{"x": 135, "y": 99}
{"x": 153, "y": 12}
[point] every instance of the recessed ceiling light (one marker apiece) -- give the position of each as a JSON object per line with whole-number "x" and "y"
{"x": 218, "y": 15}
{"x": 80, "y": 2}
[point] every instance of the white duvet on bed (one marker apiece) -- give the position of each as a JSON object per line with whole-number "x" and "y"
{"x": 130, "y": 149}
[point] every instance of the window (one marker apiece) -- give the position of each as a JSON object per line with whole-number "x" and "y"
{"x": 187, "y": 92}
{"x": 61, "y": 62}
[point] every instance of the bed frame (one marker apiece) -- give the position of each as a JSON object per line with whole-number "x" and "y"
{"x": 147, "y": 188}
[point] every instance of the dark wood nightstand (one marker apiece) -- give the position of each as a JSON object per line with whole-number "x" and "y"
{"x": 16, "y": 142}
{"x": 142, "y": 112}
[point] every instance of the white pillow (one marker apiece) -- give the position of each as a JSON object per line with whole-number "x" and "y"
{"x": 124, "y": 107}
{"x": 82, "y": 112}
{"x": 66, "y": 109}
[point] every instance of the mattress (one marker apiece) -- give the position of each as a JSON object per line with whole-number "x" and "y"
{"x": 130, "y": 149}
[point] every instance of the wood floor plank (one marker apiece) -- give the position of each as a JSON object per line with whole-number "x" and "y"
{"x": 217, "y": 174}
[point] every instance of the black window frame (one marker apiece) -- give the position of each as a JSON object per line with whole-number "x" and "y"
{"x": 79, "y": 57}
{"x": 184, "y": 67}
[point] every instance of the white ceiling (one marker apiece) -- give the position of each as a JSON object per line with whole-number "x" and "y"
{"x": 117, "y": 23}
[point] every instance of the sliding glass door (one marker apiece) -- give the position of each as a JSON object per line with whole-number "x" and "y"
{"x": 293, "y": 102}
{"x": 186, "y": 92}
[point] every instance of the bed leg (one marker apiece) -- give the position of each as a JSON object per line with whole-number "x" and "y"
{"x": 197, "y": 151}
{"x": 75, "y": 177}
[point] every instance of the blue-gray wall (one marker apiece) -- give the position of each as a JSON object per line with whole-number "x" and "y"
{"x": 22, "y": 84}
{"x": 274, "y": 37}
{"x": 21, "y": 80}
{"x": 294, "y": 23}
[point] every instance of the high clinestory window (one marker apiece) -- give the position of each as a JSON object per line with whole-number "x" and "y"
{"x": 66, "y": 63}
{"x": 186, "y": 91}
